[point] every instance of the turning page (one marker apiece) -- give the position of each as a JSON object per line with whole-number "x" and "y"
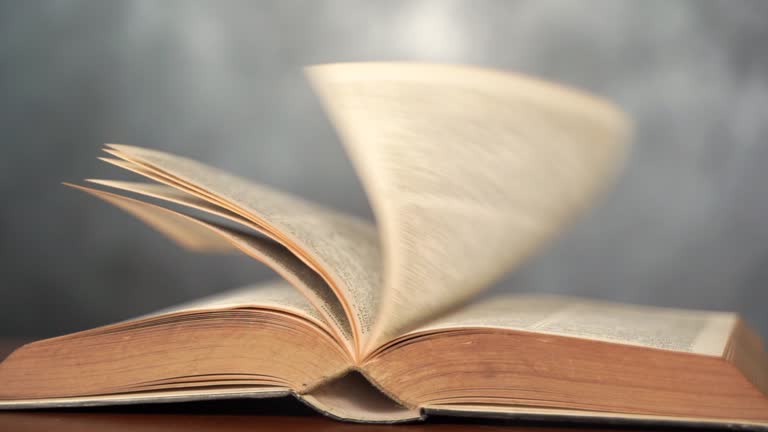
{"x": 204, "y": 236}
{"x": 468, "y": 171}
{"x": 343, "y": 249}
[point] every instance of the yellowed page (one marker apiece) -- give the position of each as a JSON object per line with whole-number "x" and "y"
{"x": 468, "y": 171}
{"x": 186, "y": 232}
{"x": 700, "y": 332}
{"x": 273, "y": 294}
{"x": 205, "y": 236}
{"x": 342, "y": 248}
{"x": 176, "y": 196}
{"x": 179, "y": 193}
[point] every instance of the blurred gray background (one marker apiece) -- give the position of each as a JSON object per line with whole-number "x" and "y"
{"x": 221, "y": 81}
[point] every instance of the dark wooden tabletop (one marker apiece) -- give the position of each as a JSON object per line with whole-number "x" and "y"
{"x": 247, "y": 415}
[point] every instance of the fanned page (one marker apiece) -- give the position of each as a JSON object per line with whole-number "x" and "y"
{"x": 205, "y": 236}
{"x": 343, "y": 249}
{"x": 468, "y": 171}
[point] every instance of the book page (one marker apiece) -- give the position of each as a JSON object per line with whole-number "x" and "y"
{"x": 200, "y": 235}
{"x": 273, "y": 294}
{"x": 701, "y": 332}
{"x": 342, "y": 248}
{"x": 176, "y": 196}
{"x": 468, "y": 171}
{"x": 186, "y": 232}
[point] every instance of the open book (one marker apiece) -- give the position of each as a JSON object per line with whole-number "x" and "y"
{"x": 468, "y": 171}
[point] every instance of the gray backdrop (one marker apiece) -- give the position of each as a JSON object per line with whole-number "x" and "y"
{"x": 221, "y": 81}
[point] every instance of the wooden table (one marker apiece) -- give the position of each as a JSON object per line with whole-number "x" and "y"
{"x": 245, "y": 415}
